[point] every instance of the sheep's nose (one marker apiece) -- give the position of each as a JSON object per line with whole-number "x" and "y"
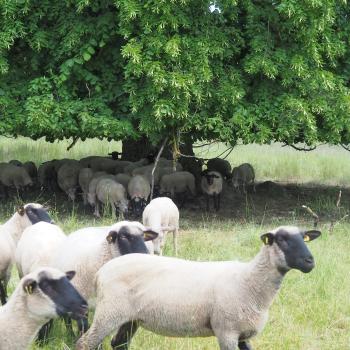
{"x": 309, "y": 260}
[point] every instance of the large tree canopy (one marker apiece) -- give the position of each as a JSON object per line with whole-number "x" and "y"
{"x": 254, "y": 70}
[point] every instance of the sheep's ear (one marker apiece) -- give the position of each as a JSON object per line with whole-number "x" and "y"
{"x": 70, "y": 274}
{"x": 111, "y": 237}
{"x": 21, "y": 210}
{"x": 29, "y": 285}
{"x": 149, "y": 235}
{"x": 311, "y": 235}
{"x": 267, "y": 238}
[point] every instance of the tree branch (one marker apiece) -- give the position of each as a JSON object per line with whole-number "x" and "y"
{"x": 300, "y": 148}
{"x": 75, "y": 139}
{"x": 345, "y": 147}
{"x": 313, "y": 214}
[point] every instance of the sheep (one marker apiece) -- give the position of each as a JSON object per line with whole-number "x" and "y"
{"x": 36, "y": 246}
{"x": 123, "y": 179}
{"x": 177, "y": 183}
{"x": 133, "y": 165}
{"x": 43, "y": 294}
{"x": 84, "y": 178}
{"x": 211, "y": 185}
{"x": 87, "y": 249}
{"x": 15, "y": 176}
{"x": 91, "y": 196}
{"x": 139, "y": 190}
{"x": 162, "y": 215}
{"x": 47, "y": 176}
{"x": 242, "y": 176}
{"x": 15, "y": 162}
{"x": 67, "y": 177}
{"x": 10, "y": 233}
{"x": 31, "y": 169}
{"x": 221, "y": 165}
{"x": 110, "y": 191}
{"x": 175, "y": 297}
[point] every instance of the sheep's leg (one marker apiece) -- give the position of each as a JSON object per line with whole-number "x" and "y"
{"x": 228, "y": 343}
{"x": 175, "y": 232}
{"x": 122, "y": 339}
{"x": 218, "y": 200}
{"x": 243, "y": 345}
{"x": 97, "y": 211}
{"x": 43, "y": 335}
{"x": 3, "y": 292}
{"x": 207, "y": 198}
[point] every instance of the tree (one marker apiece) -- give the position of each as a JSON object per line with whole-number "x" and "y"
{"x": 254, "y": 70}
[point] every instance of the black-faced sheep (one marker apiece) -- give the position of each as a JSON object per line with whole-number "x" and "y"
{"x": 211, "y": 185}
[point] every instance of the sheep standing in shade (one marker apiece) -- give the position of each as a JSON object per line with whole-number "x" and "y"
{"x": 211, "y": 185}
{"x": 86, "y": 250}
{"x": 242, "y": 176}
{"x": 67, "y": 177}
{"x": 174, "y": 297}
{"x": 223, "y": 166}
{"x": 45, "y": 293}
{"x": 139, "y": 190}
{"x": 84, "y": 178}
{"x": 162, "y": 215}
{"x": 31, "y": 169}
{"x": 10, "y": 233}
{"x": 112, "y": 192}
{"x": 13, "y": 176}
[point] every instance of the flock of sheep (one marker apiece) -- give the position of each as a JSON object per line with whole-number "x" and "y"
{"x": 118, "y": 272}
{"x": 113, "y": 271}
{"x": 124, "y": 185}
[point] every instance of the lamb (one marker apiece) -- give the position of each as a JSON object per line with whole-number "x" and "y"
{"x": 139, "y": 190}
{"x": 36, "y": 246}
{"x": 178, "y": 182}
{"x": 112, "y": 192}
{"x": 67, "y": 178}
{"x": 15, "y": 176}
{"x": 87, "y": 249}
{"x": 45, "y": 293}
{"x": 10, "y": 233}
{"x": 175, "y": 297}
{"x": 243, "y": 175}
{"x": 211, "y": 185}
{"x": 221, "y": 165}
{"x": 162, "y": 215}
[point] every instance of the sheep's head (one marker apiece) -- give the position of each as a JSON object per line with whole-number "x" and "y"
{"x": 210, "y": 176}
{"x": 288, "y": 248}
{"x": 50, "y": 293}
{"x": 137, "y": 205}
{"x": 32, "y": 213}
{"x": 128, "y": 237}
{"x": 122, "y": 208}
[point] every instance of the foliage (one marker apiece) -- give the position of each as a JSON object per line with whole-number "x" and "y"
{"x": 239, "y": 69}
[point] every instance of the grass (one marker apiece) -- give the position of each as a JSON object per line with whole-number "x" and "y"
{"x": 311, "y": 311}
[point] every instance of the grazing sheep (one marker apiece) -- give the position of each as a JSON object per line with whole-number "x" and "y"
{"x": 67, "y": 177}
{"x": 178, "y": 183}
{"x": 84, "y": 178}
{"x": 174, "y": 297}
{"x": 86, "y": 250}
{"x": 43, "y": 294}
{"x": 13, "y": 176}
{"x": 123, "y": 179}
{"x": 162, "y": 215}
{"x": 242, "y": 176}
{"x": 139, "y": 190}
{"x": 211, "y": 185}
{"x": 47, "y": 176}
{"x": 10, "y": 233}
{"x": 31, "y": 169}
{"x": 223, "y": 166}
{"x": 112, "y": 192}
{"x": 91, "y": 196}
{"x": 36, "y": 246}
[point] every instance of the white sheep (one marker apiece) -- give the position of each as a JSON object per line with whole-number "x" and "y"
{"x": 13, "y": 176}
{"x": 91, "y": 196}
{"x": 10, "y": 233}
{"x": 67, "y": 177}
{"x": 162, "y": 215}
{"x": 112, "y": 192}
{"x": 179, "y": 182}
{"x": 87, "y": 249}
{"x": 43, "y": 294}
{"x": 242, "y": 176}
{"x": 37, "y": 246}
{"x": 174, "y": 297}
{"x": 139, "y": 190}
{"x": 211, "y": 185}
{"x": 84, "y": 178}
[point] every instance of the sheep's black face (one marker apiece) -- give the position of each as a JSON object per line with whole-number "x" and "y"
{"x": 137, "y": 205}
{"x": 66, "y": 298}
{"x": 129, "y": 242}
{"x": 36, "y": 215}
{"x": 296, "y": 253}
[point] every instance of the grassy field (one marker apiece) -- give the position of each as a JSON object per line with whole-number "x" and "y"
{"x": 312, "y": 311}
